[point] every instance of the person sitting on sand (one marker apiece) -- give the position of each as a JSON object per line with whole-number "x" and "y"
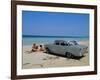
{"x": 34, "y": 48}
{"x": 41, "y": 48}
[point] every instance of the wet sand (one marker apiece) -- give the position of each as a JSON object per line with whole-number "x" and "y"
{"x": 45, "y": 60}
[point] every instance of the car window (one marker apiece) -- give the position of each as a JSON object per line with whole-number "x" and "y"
{"x": 69, "y": 44}
{"x": 74, "y": 42}
{"x": 66, "y": 44}
{"x": 57, "y": 43}
{"x": 63, "y": 44}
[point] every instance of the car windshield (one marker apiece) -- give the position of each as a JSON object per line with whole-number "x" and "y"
{"x": 73, "y": 43}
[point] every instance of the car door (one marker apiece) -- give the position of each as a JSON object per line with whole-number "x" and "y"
{"x": 62, "y": 48}
{"x": 55, "y": 48}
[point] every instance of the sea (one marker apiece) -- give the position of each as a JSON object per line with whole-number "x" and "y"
{"x": 29, "y": 40}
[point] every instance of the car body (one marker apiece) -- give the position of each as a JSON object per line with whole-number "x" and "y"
{"x": 67, "y": 48}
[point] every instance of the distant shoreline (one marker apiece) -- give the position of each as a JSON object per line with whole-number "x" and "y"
{"x": 54, "y": 36}
{"x": 86, "y": 42}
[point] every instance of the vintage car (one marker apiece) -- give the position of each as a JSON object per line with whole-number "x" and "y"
{"x": 67, "y": 48}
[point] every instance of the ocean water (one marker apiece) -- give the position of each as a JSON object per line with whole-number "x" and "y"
{"x": 44, "y": 40}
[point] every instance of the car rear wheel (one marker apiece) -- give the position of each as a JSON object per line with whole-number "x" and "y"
{"x": 47, "y": 50}
{"x": 68, "y": 55}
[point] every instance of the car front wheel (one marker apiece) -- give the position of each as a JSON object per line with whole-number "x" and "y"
{"x": 47, "y": 50}
{"x": 68, "y": 55}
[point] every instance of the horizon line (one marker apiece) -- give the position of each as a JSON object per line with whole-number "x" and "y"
{"x": 55, "y": 36}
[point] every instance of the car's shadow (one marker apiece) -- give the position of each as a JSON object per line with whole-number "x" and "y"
{"x": 73, "y": 57}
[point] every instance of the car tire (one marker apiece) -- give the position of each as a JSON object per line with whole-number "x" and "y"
{"x": 47, "y": 50}
{"x": 68, "y": 55}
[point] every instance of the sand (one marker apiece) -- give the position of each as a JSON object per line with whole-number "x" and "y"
{"x": 44, "y": 60}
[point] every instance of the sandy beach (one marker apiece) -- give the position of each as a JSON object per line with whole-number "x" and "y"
{"x": 44, "y": 60}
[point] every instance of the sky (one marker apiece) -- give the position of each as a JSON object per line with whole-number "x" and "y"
{"x": 55, "y": 23}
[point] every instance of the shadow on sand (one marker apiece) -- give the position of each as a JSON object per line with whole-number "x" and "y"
{"x": 73, "y": 57}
